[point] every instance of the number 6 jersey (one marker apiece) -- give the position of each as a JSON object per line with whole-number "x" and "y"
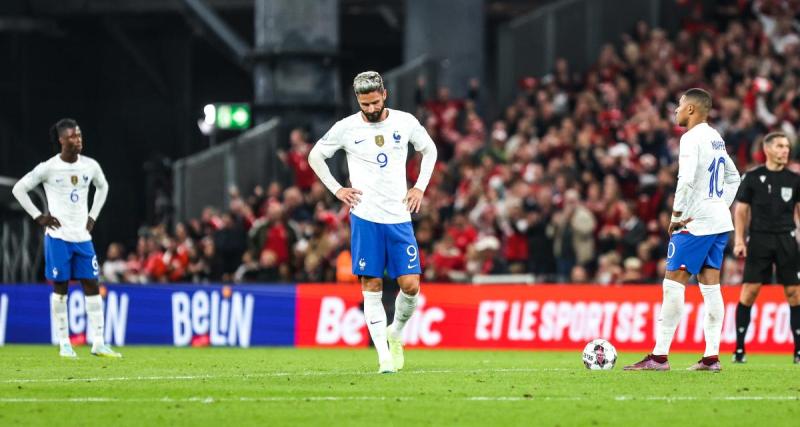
{"x": 707, "y": 182}
{"x": 376, "y": 160}
{"x": 66, "y": 186}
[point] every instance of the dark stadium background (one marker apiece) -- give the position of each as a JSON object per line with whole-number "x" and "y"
{"x": 67, "y": 58}
{"x": 136, "y": 75}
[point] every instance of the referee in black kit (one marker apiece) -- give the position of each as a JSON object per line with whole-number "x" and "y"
{"x": 768, "y": 201}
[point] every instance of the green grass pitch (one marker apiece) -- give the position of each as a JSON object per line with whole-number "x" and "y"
{"x": 237, "y": 387}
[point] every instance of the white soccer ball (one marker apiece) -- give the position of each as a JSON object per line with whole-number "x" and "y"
{"x": 599, "y": 355}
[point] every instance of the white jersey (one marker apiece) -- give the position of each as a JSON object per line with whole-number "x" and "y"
{"x": 376, "y": 160}
{"x": 66, "y": 186}
{"x": 707, "y": 182}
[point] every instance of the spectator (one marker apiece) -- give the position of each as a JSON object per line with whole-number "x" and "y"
{"x": 578, "y": 275}
{"x": 209, "y": 266}
{"x": 344, "y": 267}
{"x": 574, "y": 229}
{"x": 114, "y": 268}
{"x": 579, "y": 164}
{"x": 248, "y": 270}
{"x": 268, "y": 270}
{"x": 447, "y": 261}
{"x": 155, "y": 269}
{"x": 485, "y": 257}
{"x": 632, "y": 271}
{"x": 608, "y": 269}
{"x": 271, "y": 233}
{"x": 297, "y": 159}
{"x": 229, "y": 244}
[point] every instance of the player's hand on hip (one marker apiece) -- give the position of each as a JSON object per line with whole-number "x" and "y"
{"x": 90, "y": 224}
{"x": 349, "y": 196}
{"x": 739, "y": 250}
{"x": 413, "y": 200}
{"x": 48, "y": 221}
{"x": 676, "y": 226}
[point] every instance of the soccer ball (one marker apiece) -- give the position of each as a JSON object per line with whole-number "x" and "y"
{"x": 599, "y": 355}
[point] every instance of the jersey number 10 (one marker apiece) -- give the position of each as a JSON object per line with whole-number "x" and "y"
{"x": 714, "y": 183}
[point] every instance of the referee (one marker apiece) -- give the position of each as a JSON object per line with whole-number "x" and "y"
{"x": 769, "y": 201}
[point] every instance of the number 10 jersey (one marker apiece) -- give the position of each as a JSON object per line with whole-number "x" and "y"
{"x": 707, "y": 182}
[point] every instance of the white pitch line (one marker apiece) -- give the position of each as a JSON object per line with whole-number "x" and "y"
{"x": 694, "y": 398}
{"x": 96, "y": 379}
{"x": 632, "y": 398}
{"x": 268, "y": 375}
{"x": 278, "y": 399}
{"x": 184, "y": 399}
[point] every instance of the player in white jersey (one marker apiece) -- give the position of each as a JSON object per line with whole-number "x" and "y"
{"x": 69, "y": 253}
{"x": 382, "y": 238}
{"x": 701, "y": 222}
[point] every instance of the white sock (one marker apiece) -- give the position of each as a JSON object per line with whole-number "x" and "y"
{"x": 404, "y": 306}
{"x": 671, "y": 312}
{"x": 375, "y": 316}
{"x": 58, "y": 314}
{"x": 712, "y": 323}
{"x": 94, "y": 311}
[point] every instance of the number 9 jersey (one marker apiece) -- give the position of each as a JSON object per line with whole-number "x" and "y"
{"x": 707, "y": 182}
{"x": 376, "y": 160}
{"x": 66, "y": 186}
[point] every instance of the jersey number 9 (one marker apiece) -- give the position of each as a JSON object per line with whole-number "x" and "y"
{"x": 412, "y": 253}
{"x": 383, "y": 159}
{"x": 714, "y": 182}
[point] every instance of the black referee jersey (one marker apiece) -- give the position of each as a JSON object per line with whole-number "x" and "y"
{"x": 772, "y": 196}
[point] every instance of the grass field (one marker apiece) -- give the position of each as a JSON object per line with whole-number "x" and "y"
{"x": 235, "y": 387}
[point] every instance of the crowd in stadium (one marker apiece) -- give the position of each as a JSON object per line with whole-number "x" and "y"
{"x": 572, "y": 183}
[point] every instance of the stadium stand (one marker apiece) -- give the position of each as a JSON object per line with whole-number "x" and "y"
{"x": 573, "y": 182}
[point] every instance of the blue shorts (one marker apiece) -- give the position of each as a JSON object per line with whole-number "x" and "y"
{"x": 692, "y": 253}
{"x": 69, "y": 260}
{"x": 383, "y": 247}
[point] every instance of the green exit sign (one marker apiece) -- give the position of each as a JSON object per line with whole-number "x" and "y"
{"x": 229, "y": 116}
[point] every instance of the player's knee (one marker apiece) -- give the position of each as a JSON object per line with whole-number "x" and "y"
{"x": 409, "y": 284}
{"x": 749, "y": 294}
{"x": 792, "y": 294}
{"x": 60, "y": 288}
{"x": 372, "y": 284}
{"x": 709, "y": 277}
{"x": 679, "y": 276}
{"x": 90, "y": 287}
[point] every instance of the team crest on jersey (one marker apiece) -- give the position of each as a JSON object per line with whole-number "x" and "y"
{"x": 786, "y": 193}
{"x": 73, "y": 179}
{"x": 379, "y": 140}
{"x": 762, "y": 178}
{"x": 396, "y": 136}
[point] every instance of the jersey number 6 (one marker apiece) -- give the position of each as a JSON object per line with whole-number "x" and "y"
{"x": 73, "y": 196}
{"x": 714, "y": 182}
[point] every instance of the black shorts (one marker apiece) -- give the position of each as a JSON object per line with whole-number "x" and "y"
{"x": 766, "y": 249}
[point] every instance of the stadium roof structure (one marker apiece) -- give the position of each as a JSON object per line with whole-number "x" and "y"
{"x": 499, "y": 8}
